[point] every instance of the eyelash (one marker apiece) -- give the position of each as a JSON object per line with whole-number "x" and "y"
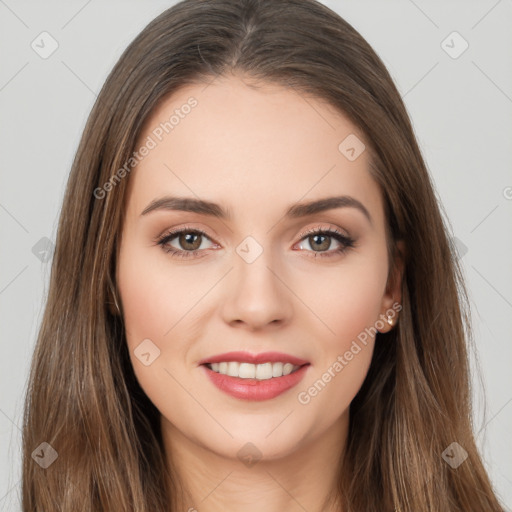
{"x": 345, "y": 241}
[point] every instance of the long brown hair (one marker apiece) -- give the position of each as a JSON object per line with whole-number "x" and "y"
{"x": 83, "y": 398}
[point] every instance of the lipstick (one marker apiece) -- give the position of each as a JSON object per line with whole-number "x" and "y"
{"x": 255, "y": 389}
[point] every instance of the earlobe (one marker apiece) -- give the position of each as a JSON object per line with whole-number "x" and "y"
{"x": 391, "y": 319}
{"x": 388, "y": 320}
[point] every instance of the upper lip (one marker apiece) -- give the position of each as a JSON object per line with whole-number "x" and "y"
{"x": 247, "y": 357}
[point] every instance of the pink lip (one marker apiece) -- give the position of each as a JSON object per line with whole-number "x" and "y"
{"x": 254, "y": 389}
{"x": 247, "y": 357}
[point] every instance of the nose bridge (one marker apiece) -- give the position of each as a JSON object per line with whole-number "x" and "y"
{"x": 259, "y": 297}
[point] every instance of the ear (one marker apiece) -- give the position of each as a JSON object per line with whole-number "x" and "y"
{"x": 392, "y": 299}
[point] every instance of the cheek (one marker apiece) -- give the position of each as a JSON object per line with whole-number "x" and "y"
{"x": 148, "y": 295}
{"x": 348, "y": 303}
{"x": 155, "y": 296}
{"x": 154, "y": 303}
{"x": 346, "y": 299}
{"x": 142, "y": 301}
{"x": 358, "y": 303}
{"x": 163, "y": 303}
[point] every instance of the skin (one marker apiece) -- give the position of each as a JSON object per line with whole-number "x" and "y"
{"x": 255, "y": 152}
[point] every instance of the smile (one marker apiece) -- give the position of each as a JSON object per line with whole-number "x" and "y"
{"x": 249, "y": 376}
{"x": 263, "y": 371}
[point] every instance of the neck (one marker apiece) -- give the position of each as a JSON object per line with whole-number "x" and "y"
{"x": 304, "y": 479}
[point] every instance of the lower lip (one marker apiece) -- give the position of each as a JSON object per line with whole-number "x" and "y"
{"x": 254, "y": 389}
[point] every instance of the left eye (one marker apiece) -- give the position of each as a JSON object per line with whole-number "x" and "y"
{"x": 320, "y": 241}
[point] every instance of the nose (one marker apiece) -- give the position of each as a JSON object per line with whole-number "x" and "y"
{"x": 258, "y": 296}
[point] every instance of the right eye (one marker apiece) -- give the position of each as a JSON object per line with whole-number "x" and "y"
{"x": 191, "y": 241}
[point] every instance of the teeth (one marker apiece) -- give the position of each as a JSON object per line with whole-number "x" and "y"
{"x": 287, "y": 368}
{"x": 246, "y": 371}
{"x": 263, "y": 371}
{"x": 233, "y": 369}
{"x": 277, "y": 369}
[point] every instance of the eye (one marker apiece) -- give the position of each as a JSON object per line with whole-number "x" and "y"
{"x": 190, "y": 240}
{"x": 320, "y": 240}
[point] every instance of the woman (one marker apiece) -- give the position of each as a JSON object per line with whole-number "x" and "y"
{"x": 254, "y": 302}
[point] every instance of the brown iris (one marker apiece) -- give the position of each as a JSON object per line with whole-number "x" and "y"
{"x": 190, "y": 240}
{"x": 322, "y": 246}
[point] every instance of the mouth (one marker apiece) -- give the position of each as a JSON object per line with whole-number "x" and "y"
{"x": 264, "y": 371}
{"x": 254, "y": 377}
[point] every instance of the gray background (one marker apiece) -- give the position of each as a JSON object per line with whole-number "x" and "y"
{"x": 461, "y": 111}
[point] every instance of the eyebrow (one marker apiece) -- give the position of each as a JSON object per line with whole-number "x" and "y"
{"x": 190, "y": 204}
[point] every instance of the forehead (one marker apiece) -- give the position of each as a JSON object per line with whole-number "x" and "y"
{"x": 252, "y": 150}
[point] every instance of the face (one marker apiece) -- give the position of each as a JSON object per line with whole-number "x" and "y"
{"x": 249, "y": 271}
